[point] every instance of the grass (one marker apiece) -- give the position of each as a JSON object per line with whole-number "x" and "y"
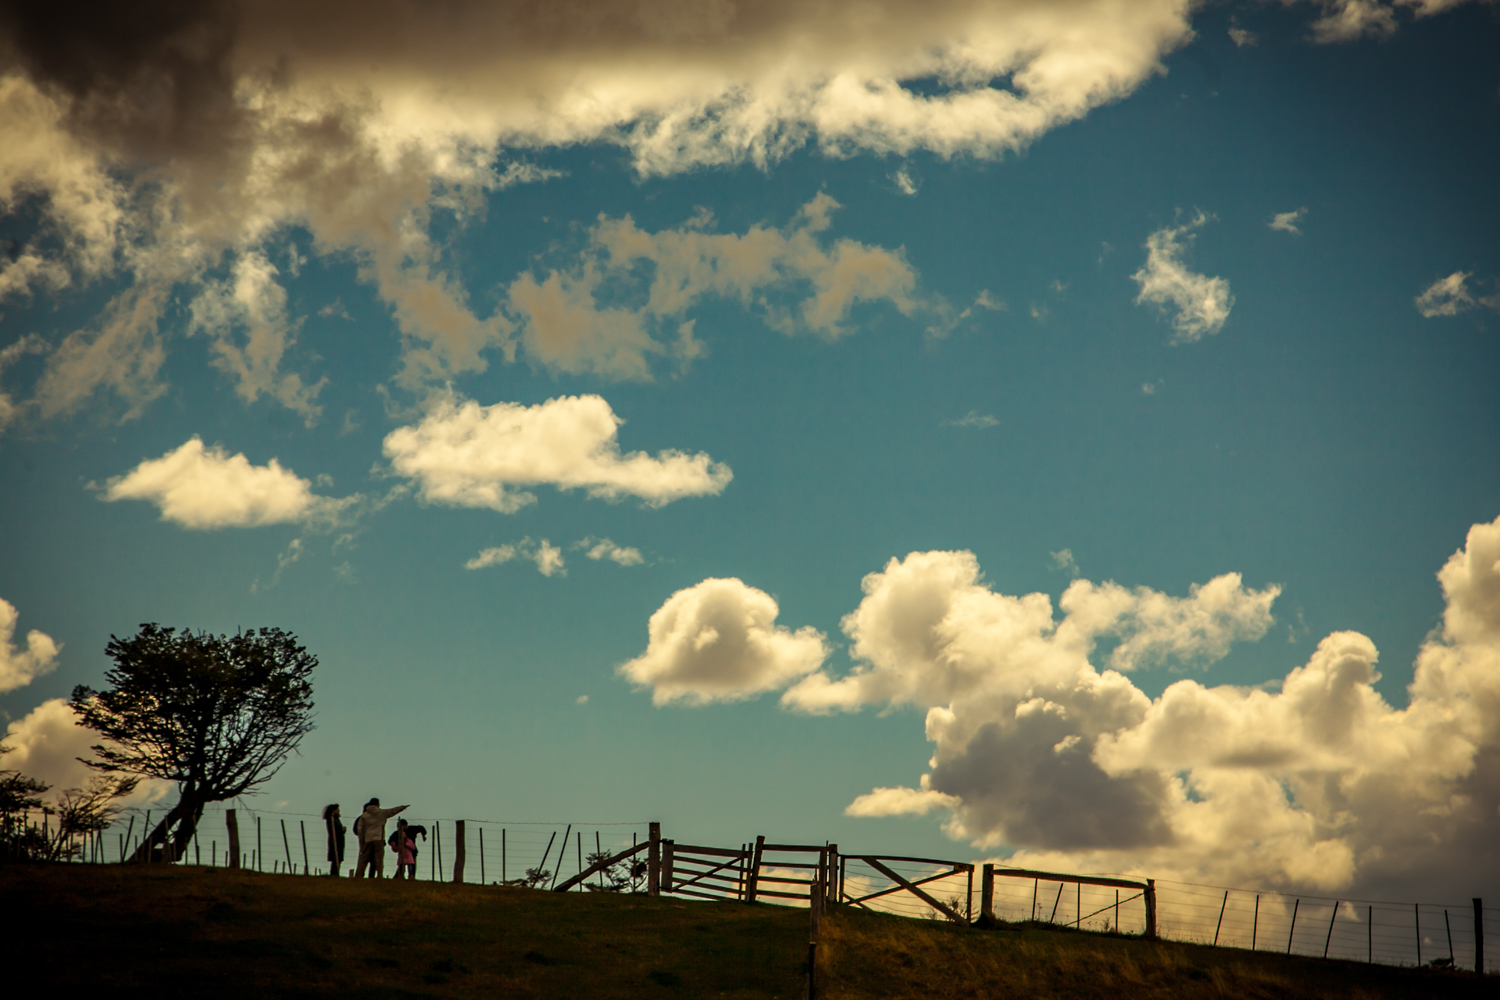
{"x": 219, "y": 933}
{"x": 165, "y": 932}
{"x": 874, "y": 955}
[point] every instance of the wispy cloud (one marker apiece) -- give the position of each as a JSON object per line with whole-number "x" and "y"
{"x": 1063, "y": 560}
{"x": 1286, "y": 222}
{"x": 1199, "y": 304}
{"x": 602, "y": 548}
{"x": 973, "y": 419}
{"x": 548, "y": 557}
{"x": 1451, "y": 295}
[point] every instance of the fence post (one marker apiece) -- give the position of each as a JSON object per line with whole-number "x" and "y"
{"x": 306, "y": 867}
{"x": 481, "y": 857}
{"x": 458, "y": 850}
{"x": 754, "y": 881}
{"x": 1331, "y": 920}
{"x": 831, "y": 878}
{"x": 1220, "y": 924}
{"x": 668, "y": 863}
{"x": 1151, "y": 908}
{"x": 1479, "y": 936}
{"x": 288, "y": 845}
{"x": 987, "y": 893}
{"x": 437, "y": 850}
{"x": 653, "y": 860}
{"x": 232, "y": 821}
{"x": 1416, "y": 909}
{"x": 1293, "y": 932}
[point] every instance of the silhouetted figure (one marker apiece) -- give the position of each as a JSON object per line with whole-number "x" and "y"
{"x": 335, "y": 825}
{"x": 404, "y": 843}
{"x": 369, "y": 828}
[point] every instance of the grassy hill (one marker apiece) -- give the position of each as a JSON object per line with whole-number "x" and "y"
{"x": 165, "y": 932}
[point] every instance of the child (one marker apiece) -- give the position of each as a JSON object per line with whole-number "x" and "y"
{"x": 406, "y": 851}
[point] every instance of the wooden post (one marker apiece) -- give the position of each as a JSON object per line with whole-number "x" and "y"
{"x": 1255, "y": 922}
{"x": 1293, "y": 931}
{"x": 668, "y": 853}
{"x": 754, "y": 881}
{"x": 1220, "y": 924}
{"x": 502, "y": 855}
{"x": 599, "y": 849}
{"x": 1078, "y": 905}
{"x": 1331, "y": 919}
{"x": 578, "y": 839}
{"x": 1036, "y": 887}
{"x": 437, "y": 850}
{"x": 653, "y": 860}
{"x": 1479, "y": 936}
{"x": 1416, "y": 909}
{"x": 481, "y": 857}
{"x": 1151, "y": 908}
{"x": 306, "y": 866}
{"x": 831, "y": 881}
{"x": 231, "y": 821}
{"x": 458, "y": 850}
{"x": 288, "y": 845}
{"x": 562, "y": 852}
{"x": 1449, "y": 928}
{"x": 987, "y": 893}
{"x": 1370, "y": 932}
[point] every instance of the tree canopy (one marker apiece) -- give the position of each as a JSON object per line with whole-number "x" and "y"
{"x": 217, "y": 714}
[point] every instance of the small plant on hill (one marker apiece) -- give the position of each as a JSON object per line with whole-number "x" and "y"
{"x": 536, "y": 877}
{"x": 625, "y": 876}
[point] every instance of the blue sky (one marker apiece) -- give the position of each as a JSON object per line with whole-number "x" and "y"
{"x": 1308, "y": 401}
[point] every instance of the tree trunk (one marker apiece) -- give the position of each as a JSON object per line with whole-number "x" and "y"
{"x": 184, "y": 816}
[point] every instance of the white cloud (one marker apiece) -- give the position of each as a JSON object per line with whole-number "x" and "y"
{"x": 467, "y": 455}
{"x": 19, "y": 667}
{"x": 1316, "y": 782}
{"x": 905, "y": 182}
{"x": 1350, "y": 20}
{"x": 1202, "y": 303}
{"x": 46, "y": 744}
{"x": 582, "y": 699}
{"x": 603, "y": 548}
{"x": 900, "y": 802}
{"x": 548, "y": 557}
{"x": 718, "y": 641}
{"x": 1286, "y": 222}
{"x": 974, "y": 419}
{"x": 563, "y": 324}
{"x": 205, "y": 487}
{"x": 1451, "y": 295}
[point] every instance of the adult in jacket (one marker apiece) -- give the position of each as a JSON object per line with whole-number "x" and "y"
{"x": 369, "y": 829}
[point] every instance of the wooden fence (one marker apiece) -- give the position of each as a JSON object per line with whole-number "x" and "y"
{"x": 814, "y": 875}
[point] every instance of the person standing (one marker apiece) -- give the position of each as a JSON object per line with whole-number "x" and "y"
{"x": 335, "y": 825}
{"x": 369, "y": 828}
{"x": 406, "y": 851}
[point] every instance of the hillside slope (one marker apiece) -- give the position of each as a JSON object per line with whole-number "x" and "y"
{"x": 165, "y": 932}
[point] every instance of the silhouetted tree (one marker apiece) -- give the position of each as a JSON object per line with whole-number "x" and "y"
{"x": 217, "y": 714}
{"x": 78, "y": 815}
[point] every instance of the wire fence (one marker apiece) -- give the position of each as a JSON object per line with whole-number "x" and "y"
{"x": 277, "y": 842}
{"x": 497, "y": 851}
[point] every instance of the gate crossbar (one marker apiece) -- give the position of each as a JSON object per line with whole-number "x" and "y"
{"x": 599, "y": 866}
{"x": 703, "y": 875}
{"x": 931, "y": 901}
{"x": 1119, "y": 883}
{"x": 899, "y": 888}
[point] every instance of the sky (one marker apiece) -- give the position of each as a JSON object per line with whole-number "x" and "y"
{"x": 1054, "y": 432}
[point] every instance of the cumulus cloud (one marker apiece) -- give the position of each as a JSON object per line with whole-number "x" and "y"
{"x": 1451, "y": 295}
{"x": 548, "y": 557}
{"x": 203, "y": 488}
{"x": 19, "y": 667}
{"x": 46, "y": 744}
{"x": 210, "y": 129}
{"x": 467, "y": 455}
{"x": 1201, "y": 303}
{"x": 1286, "y": 222}
{"x": 603, "y": 548}
{"x": 1315, "y": 782}
{"x": 718, "y": 641}
{"x": 1351, "y": 20}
